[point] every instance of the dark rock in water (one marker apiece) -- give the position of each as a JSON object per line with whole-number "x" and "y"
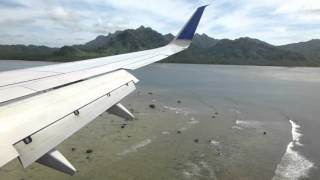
{"x": 219, "y": 153}
{"x": 123, "y": 125}
{"x": 216, "y": 113}
{"x": 152, "y": 106}
{"x": 129, "y": 136}
{"x": 178, "y": 132}
{"x": 88, "y": 157}
{"x": 150, "y": 93}
{"x": 196, "y": 140}
{"x": 73, "y": 149}
{"x": 264, "y": 133}
{"x": 179, "y": 102}
{"x": 89, "y": 151}
{"x": 213, "y": 116}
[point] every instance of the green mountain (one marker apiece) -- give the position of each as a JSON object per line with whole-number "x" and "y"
{"x": 310, "y": 49}
{"x": 203, "y": 50}
{"x": 204, "y": 41}
{"x": 25, "y": 52}
{"x": 120, "y": 42}
{"x": 242, "y": 51}
{"x": 126, "y": 41}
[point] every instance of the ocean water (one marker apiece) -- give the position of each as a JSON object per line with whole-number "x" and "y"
{"x": 210, "y": 122}
{"x": 281, "y": 101}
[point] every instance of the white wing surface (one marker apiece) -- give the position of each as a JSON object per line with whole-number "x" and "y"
{"x": 41, "y": 107}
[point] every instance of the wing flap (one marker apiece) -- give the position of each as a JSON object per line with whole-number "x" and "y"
{"x": 8, "y": 152}
{"x": 7, "y": 94}
{"x": 48, "y": 107}
{"x": 49, "y": 137}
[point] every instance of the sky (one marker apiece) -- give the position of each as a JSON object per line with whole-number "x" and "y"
{"x": 56, "y": 23}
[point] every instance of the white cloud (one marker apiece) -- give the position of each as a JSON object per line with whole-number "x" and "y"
{"x": 65, "y": 18}
{"x": 270, "y": 20}
{"x": 58, "y": 22}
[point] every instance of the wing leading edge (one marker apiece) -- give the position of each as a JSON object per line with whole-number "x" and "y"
{"x": 21, "y": 83}
{"x": 41, "y": 107}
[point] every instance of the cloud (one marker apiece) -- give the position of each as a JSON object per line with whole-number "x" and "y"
{"x": 58, "y": 22}
{"x": 105, "y": 26}
{"x": 11, "y": 4}
{"x": 13, "y": 23}
{"x": 271, "y": 20}
{"x": 65, "y": 18}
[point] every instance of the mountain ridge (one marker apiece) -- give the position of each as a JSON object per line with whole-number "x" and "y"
{"x": 203, "y": 50}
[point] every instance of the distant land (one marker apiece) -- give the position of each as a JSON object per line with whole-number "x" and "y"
{"x": 203, "y": 50}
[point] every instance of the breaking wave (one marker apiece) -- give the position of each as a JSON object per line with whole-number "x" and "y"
{"x": 293, "y": 165}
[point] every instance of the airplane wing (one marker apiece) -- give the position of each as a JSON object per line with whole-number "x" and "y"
{"x": 41, "y": 107}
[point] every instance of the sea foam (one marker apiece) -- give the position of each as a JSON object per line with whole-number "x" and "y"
{"x": 293, "y": 165}
{"x": 178, "y": 110}
{"x": 134, "y": 148}
{"x": 296, "y": 133}
{"x": 240, "y": 124}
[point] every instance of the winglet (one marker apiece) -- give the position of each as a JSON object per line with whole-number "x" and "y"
{"x": 189, "y": 29}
